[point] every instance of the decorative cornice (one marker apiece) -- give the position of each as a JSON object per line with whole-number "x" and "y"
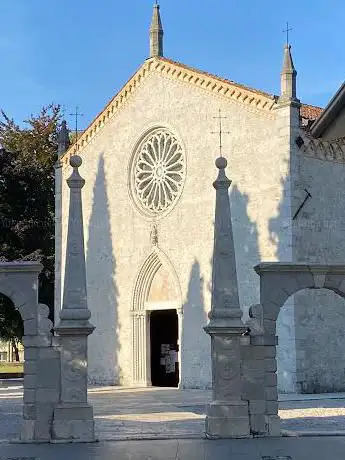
{"x": 225, "y": 88}
{"x": 22, "y": 266}
{"x": 324, "y": 150}
{"x": 216, "y": 85}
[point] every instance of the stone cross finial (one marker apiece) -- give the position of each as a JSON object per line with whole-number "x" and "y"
{"x": 225, "y": 299}
{"x": 63, "y": 139}
{"x": 156, "y": 33}
{"x": 286, "y": 31}
{"x": 220, "y": 132}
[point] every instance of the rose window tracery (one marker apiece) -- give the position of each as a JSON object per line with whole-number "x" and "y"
{"x": 158, "y": 172}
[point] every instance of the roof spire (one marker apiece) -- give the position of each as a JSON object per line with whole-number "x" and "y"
{"x": 63, "y": 138}
{"x": 288, "y": 76}
{"x": 156, "y": 33}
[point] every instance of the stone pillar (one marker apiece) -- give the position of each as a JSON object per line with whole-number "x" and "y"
{"x": 271, "y": 391}
{"x": 73, "y": 416}
{"x": 260, "y": 378}
{"x": 227, "y": 414}
{"x": 141, "y": 377}
{"x": 179, "y": 342}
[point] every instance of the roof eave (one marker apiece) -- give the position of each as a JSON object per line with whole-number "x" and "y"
{"x": 329, "y": 114}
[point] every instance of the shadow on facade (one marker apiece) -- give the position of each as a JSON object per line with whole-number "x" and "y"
{"x": 247, "y": 253}
{"x": 320, "y": 314}
{"x": 280, "y": 236}
{"x": 192, "y": 343}
{"x": 103, "y": 294}
{"x": 310, "y": 324}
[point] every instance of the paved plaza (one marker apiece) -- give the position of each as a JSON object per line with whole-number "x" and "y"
{"x": 123, "y": 414}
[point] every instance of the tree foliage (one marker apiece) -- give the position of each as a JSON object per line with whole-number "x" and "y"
{"x": 27, "y": 157}
{"x": 11, "y": 324}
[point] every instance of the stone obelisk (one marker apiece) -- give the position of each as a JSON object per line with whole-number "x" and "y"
{"x": 227, "y": 414}
{"x": 73, "y": 416}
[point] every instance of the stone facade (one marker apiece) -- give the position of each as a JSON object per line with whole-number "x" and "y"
{"x": 268, "y": 171}
{"x": 118, "y": 236}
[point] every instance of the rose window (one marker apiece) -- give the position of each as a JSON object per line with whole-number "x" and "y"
{"x": 158, "y": 172}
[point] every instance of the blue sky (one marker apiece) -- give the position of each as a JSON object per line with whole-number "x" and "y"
{"x": 81, "y": 52}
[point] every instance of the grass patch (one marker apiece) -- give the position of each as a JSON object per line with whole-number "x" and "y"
{"x": 11, "y": 368}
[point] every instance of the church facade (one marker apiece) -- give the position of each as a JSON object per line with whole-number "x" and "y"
{"x": 148, "y": 203}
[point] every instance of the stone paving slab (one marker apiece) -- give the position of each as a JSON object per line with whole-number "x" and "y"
{"x": 160, "y": 413}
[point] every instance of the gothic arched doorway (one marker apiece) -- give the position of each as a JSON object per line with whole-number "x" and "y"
{"x": 156, "y": 323}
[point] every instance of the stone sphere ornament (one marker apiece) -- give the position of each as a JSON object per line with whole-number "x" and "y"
{"x": 75, "y": 161}
{"x": 221, "y": 163}
{"x": 157, "y": 173}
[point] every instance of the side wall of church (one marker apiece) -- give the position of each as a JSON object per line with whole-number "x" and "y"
{"x": 117, "y": 235}
{"x": 319, "y": 235}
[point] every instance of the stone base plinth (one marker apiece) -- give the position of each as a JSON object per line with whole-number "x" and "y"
{"x": 73, "y": 423}
{"x": 227, "y": 420}
{"x": 273, "y": 422}
{"x": 34, "y": 431}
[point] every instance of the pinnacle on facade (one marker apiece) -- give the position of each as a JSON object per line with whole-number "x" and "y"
{"x": 156, "y": 33}
{"x": 63, "y": 139}
{"x": 288, "y": 76}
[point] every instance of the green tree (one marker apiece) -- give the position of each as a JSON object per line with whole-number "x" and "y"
{"x": 27, "y": 157}
{"x": 11, "y": 324}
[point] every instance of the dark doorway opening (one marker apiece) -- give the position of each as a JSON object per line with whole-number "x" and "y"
{"x": 164, "y": 348}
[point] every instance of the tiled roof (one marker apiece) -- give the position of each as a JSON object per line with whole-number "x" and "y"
{"x": 310, "y": 112}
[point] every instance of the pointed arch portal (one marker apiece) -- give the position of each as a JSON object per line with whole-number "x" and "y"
{"x": 156, "y": 305}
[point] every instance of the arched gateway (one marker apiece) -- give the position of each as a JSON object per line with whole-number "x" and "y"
{"x": 278, "y": 281}
{"x": 156, "y": 323}
{"x": 19, "y": 282}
